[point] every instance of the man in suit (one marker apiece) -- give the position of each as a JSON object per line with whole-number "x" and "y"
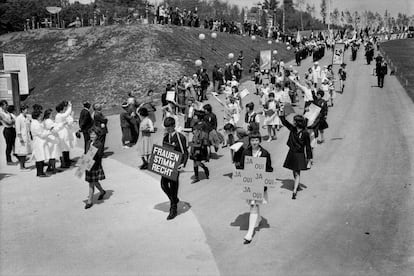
{"x": 177, "y": 142}
{"x": 85, "y": 123}
{"x": 100, "y": 122}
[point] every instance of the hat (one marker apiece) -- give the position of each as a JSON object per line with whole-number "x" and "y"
{"x": 124, "y": 104}
{"x": 316, "y": 63}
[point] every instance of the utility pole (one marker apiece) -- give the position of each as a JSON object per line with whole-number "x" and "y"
{"x": 283, "y": 19}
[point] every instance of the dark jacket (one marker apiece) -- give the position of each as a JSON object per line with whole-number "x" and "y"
{"x": 211, "y": 121}
{"x": 125, "y": 118}
{"x": 176, "y": 145}
{"x": 264, "y": 153}
{"x": 85, "y": 120}
{"x": 298, "y": 141}
{"x": 98, "y": 120}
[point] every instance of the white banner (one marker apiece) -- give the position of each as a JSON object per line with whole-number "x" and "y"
{"x": 265, "y": 59}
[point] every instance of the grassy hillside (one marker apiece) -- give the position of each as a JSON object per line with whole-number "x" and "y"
{"x": 108, "y": 62}
{"x": 401, "y": 54}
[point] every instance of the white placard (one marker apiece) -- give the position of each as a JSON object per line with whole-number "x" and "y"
{"x": 170, "y": 96}
{"x": 312, "y": 114}
{"x": 244, "y": 93}
{"x": 17, "y": 62}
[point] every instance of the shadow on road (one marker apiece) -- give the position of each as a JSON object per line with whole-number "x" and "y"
{"x": 182, "y": 207}
{"x": 107, "y": 154}
{"x": 229, "y": 175}
{"x": 95, "y": 200}
{"x": 4, "y": 175}
{"x": 242, "y": 221}
{"x": 289, "y": 183}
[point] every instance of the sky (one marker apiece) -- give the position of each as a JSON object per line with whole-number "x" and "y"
{"x": 393, "y": 6}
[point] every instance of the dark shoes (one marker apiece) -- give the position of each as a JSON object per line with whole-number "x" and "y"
{"x": 246, "y": 241}
{"x": 294, "y": 195}
{"x": 172, "y": 215}
{"x": 195, "y": 180}
{"x": 101, "y": 196}
{"x": 144, "y": 166}
{"x": 207, "y": 172}
{"x": 88, "y": 205}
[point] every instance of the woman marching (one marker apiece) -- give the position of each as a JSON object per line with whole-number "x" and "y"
{"x": 271, "y": 119}
{"x": 199, "y": 149}
{"x": 64, "y": 120}
{"x": 146, "y": 127}
{"x": 299, "y": 156}
{"x": 255, "y": 150}
{"x": 39, "y": 144}
{"x": 96, "y": 173}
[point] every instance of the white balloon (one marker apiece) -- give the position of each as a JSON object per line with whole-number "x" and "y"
{"x": 269, "y": 42}
{"x": 288, "y": 48}
{"x": 260, "y": 28}
{"x": 275, "y": 52}
{"x": 213, "y": 35}
{"x": 201, "y": 36}
{"x": 253, "y": 37}
{"x": 231, "y": 55}
{"x": 198, "y": 63}
{"x": 287, "y": 43}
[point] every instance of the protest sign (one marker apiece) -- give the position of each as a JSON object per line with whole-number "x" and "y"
{"x": 244, "y": 93}
{"x": 312, "y": 114}
{"x": 165, "y": 162}
{"x": 338, "y": 54}
{"x": 265, "y": 59}
{"x": 170, "y": 96}
{"x": 86, "y": 161}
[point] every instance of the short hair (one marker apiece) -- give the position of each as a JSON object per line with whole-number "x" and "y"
{"x": 320, "y": 93}
{"x": 24, "y": 107}
{"x": 169, "y": 122}
{"x": 143, "y": 112}
{"x": 229, "y": 127}
{"x": 3, "y": 103}
{"x": 250, "y": 105}
{"x": 278, "y": 85}
{"x": 254, "y": 135}
{"x": 150, "y": 91}
{"x": 60, "y": 107}
{"x": 236, "y": 89}
{"x": 271, "y": 94}
{"x": 46, "y": 114}
{"x": 36, "y": 114}
{"x": 97, "y": 106}
{"x": 95, "y": 130}
{"x": 11, "y": 108}
{"x": 38, "y": 107}
{"x": 207, "y": 107}
{"x": 300, "y": 121}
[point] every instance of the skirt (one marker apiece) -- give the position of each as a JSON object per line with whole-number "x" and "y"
{"x": 95, "y": 174}
{"x": 295, "y": 161}
{"x": 146, "y": 146}
{"x": 322, "y": 124}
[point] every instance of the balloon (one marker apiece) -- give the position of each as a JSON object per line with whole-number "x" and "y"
{"x": 269, "y": 42}
{"x": 287, "y": 43}
{"x": 288, "y": 48}
{"x": 260, "y": 28}
{"x": 231, "y": 55}
{"x": 201, "y": 36}
{"x": 198, "y": 63}
{"x": 253, "y": 37}
{"x": 213, "y": 35}
{"x": 275, "y": 52}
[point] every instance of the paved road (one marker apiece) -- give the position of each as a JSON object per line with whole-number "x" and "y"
{"x": 352, "y": 217}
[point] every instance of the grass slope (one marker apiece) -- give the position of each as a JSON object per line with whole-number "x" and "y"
{"x": 401, "y": 54}
{"x": 108, "y": 62}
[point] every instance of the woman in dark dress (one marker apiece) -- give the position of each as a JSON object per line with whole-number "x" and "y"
{"x": 255, "y": 150}
{"x": 199, "y": 149}
{"x": 299, "y": 156}
{"x": 96, "y": 173}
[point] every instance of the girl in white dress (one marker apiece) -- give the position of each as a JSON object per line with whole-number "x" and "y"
{"x": 53, "y": 151}
{"x": 64, "y": 118}
{"x": 146, "y": 127}
{"x": 39, "y": 134}
{"x": 271, "y": 119}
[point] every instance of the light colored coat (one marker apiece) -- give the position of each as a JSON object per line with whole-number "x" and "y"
{"x": 39, "y": 134}
{"x": 64, "y": 123}
{"x": 53, "y": 150}
{"x": 23, "y": 131}
{"x": 316, "y": 73}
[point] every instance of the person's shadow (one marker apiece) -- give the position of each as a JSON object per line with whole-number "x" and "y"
{"x": 288, "y": 184}
{"x": 242, "y": 221}
{"x": 182, "y": 207}
{"x": 95, "y": 200}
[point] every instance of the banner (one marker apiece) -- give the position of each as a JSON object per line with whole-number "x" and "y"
{"x": 86, "y": 161}
{"x": 265, "y": 59}
{"x": 6, "y": 92}
{"x": 165, "y": 162}
{"x": 14, "y": 62}
{"x": 338, "y": 54}
{"x": 312, "y": 114}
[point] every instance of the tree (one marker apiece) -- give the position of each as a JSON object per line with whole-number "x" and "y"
{"x": 324, "y": 12}
{"x": 334, "y": 17}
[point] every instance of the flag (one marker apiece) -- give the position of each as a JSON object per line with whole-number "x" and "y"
{"x": 298, "y": 39}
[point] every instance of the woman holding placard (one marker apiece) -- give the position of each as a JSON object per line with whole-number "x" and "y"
{"x": 299, "y": 157}
{"x": 255, "y": 150}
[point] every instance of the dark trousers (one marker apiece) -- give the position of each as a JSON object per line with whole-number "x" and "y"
{"x": 9, "y": 134}
{"x": 86, "y": 138}
{"x": 380, "y": 79}
{"x": 170, "y": 188}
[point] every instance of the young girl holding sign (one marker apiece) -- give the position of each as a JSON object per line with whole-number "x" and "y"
{"x": 255, "y": 150}
{"x": 96, "y": 173}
